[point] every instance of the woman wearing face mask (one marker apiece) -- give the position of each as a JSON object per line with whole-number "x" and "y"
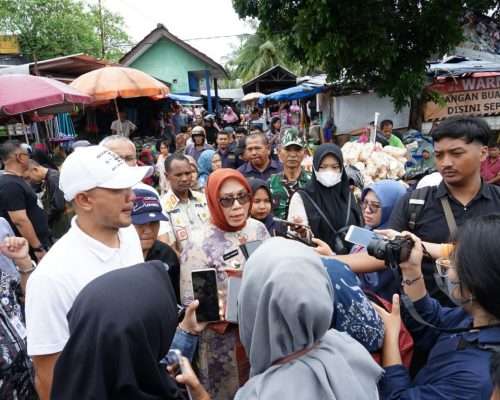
{"x": 326, "y": 204}
{"x": 458, "y": 363}
{"x": 221, "y": 364}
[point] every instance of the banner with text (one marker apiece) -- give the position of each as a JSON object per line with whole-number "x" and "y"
{"x": 470, "y": 96}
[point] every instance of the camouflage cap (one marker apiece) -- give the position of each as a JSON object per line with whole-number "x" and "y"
{"x": 291, "y": 136}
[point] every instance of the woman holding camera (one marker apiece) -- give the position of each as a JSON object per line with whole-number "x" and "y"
{"x": 458, "y": 363}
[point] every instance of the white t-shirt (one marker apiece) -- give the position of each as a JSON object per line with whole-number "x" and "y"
{"x": 74, "y": 261}
{"x": 127, "y": 127}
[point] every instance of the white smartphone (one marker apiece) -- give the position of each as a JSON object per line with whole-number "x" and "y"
{"x": 233, "y": 289}
{"x": 360, "y": 236}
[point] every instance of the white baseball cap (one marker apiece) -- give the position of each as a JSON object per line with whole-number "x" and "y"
{"x": 97, "y": 167}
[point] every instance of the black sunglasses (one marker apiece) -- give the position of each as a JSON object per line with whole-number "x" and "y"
{"x": 243, "y": 198}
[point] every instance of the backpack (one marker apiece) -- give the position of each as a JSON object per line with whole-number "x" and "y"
{"x": 406, "y": 343}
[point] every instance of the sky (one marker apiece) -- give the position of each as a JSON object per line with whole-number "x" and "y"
{"x": 186, "y": 19}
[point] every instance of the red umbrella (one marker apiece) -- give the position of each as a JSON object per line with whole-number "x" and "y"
{"x": 24, "y": 93}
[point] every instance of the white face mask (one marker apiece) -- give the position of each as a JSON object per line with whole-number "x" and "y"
{"x": 450, "y": 290}
{"x": 328, "y": 178}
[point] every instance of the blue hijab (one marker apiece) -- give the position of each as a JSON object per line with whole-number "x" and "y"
{"x": 388, "y": 193}
{"x": 205, "y": 166}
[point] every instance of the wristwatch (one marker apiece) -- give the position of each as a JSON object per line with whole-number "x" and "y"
{"x": 38, "y": 249}
{"x": 27, "y": 271}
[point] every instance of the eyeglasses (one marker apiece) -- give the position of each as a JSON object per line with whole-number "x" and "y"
{"x": 372, "y": 207}
{"x": 443, "y": 266}
{"x": 243, "y": 198}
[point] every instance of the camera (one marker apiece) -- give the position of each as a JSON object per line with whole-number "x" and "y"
{"x": 393, "y": 251}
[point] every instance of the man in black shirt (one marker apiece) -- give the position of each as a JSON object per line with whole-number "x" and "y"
{"x": 146, "y": 217}
{"x": 52, "y": 197}
{"x": 460, "y": 144}
{"x": 18, "y": 201}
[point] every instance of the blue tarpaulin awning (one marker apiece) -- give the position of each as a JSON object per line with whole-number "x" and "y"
{"x": 183, "y": 98}
{"x": 293, "y": 93}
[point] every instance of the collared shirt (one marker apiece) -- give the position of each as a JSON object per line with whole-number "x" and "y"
{"x": 431, "y": 224}
{"x": 249, "y": 171}
{"x": 185, "y": 218}
{"x": 282, "y": 190}
{"x": 228, "y": 158}
{"x": 74, "y": 261}
{"x": 490, "y": 169}
{"x": 456, "y": 368}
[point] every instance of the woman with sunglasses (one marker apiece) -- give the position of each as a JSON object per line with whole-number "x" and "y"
{"x": 221, "y": 362}
{"x": 467, "y": 336}
{"x": 377, "y": 203}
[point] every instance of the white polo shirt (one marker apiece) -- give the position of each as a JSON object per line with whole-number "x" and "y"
{"x": 74, "y": 261}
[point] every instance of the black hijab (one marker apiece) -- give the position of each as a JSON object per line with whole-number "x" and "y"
{"x": 121, "y": 325}
{"x": 257, "y": 184}
{"x": 333, "y": 201}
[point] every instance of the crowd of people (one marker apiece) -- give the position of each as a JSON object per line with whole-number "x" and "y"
{"x": 98, "y": 255}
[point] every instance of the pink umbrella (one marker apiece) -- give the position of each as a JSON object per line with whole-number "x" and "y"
{"x": 24, "y": 93}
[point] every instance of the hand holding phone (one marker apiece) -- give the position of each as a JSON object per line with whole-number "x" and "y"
{"x": 205, "y": 291}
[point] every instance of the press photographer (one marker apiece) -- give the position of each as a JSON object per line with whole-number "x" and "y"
{"x": 467, "y": 336}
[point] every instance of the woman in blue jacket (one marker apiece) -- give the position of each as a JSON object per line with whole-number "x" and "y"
{"x": 458, "y": 363}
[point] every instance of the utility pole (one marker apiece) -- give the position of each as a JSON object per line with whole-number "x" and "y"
{"x": 101, "y": 28}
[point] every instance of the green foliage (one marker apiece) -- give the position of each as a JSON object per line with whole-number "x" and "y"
{"x": 53, "y": 28}
{"x": 381, "y": 44}
{"x": 258, "y": 53}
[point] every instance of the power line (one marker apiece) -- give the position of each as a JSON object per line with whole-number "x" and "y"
{"x": 240, "y": 35}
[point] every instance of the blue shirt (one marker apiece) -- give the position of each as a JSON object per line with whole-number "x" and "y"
{"x": 249, "y": 171}
{"x": 456, "y": 368}
{"x": 228, "y": 158}
{"x": 353, "y": 313}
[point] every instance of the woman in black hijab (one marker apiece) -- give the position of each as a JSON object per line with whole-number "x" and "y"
{"x": 262, "y": 207}
{"x": 326, "y": 204}
{"x": 121, "y": 325}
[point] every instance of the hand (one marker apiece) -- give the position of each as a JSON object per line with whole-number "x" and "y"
{"x": 300, "y": 229}
{"x": 39, "y": 254}
{"x": 413, "y": 266}
{"x": 15, "y": 248}
{"x": 392, "y": 320}
{"x": 387, "y": 233}
{"x": 190, "y": 323}
{"x": 189, "y": 378}
{"x": 322, "y": 248}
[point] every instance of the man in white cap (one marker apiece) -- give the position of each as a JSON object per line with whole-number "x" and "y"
{"x": 98, "y": 184}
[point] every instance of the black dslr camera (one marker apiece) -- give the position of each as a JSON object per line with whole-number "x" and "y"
{"x": 393, "y": 252}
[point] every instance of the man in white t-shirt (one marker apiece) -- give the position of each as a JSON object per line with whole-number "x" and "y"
{"x": 98, "y": 184}
{"x": 125, "y": 148}
{"x": 122, "y": 126}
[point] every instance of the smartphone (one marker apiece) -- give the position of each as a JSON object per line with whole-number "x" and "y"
{"x": 360, "y": 236}
{"x": 233, "y": 290}
{"x": 205, "y": 291}
{"x": 248, "y": 248}
{"x": 174, "y": 360}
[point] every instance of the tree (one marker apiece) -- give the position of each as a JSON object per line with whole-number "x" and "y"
{"x": 258, "y": 53}
{"x": 53, "y": 28}
{"x": 379, "y": 44}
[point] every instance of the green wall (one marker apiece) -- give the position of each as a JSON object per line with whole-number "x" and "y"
{"x": 167, "y": 61}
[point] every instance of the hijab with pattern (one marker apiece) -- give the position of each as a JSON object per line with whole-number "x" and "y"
{"x": 214, "y": 183}
{"x": 121, "y": 325}
{"x": 285, "y": 305}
